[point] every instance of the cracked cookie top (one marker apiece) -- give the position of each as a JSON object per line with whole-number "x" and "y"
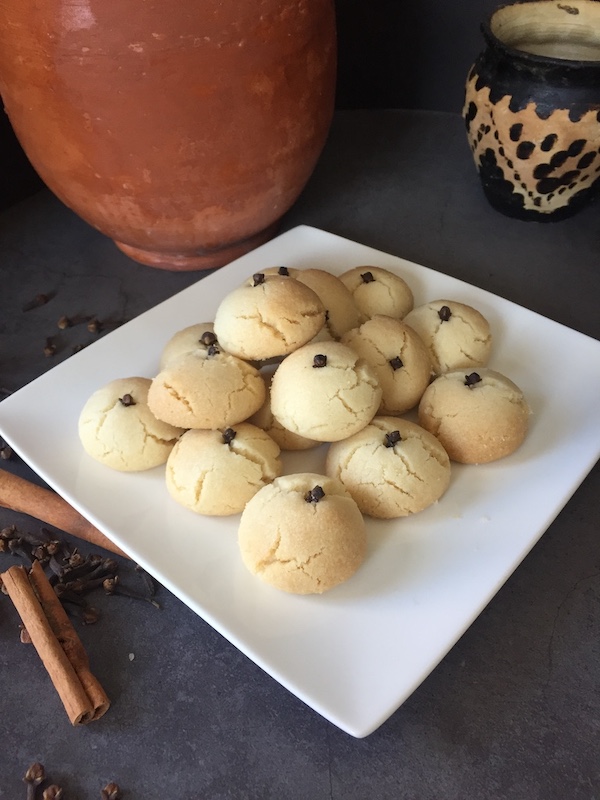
{"x": 117, "y": 428}
{"x": 456, "y": 335}
{"x": 478, "y": 416}
{"x": 302, "y": 534}
{"x": 269, "y": 315}
{"x": 377, "y": 290}
{"x": 324, "y": 391}
{"x": 392, "y": 468}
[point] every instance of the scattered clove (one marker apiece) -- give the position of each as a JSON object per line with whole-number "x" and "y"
{"x": 34, "y": 777}
{"x": 68, "y": 322}
{"x": 38, "y": 300}
{"x": 50, "y": 347}
{"x": 113, "y": 585}
{"x": 111, "y": 792}
{"x": 52, "y": 792}
{"x": 147, "y": 579}
{"x": 5, "y": 451}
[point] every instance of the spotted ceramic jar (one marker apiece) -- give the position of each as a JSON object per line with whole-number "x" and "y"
{"x": 532, "y": 108}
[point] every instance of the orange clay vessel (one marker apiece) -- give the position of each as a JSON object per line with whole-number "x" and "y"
{"x": 182, "y": 130}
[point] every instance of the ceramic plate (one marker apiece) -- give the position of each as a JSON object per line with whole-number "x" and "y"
{"x": 357, "y": 652}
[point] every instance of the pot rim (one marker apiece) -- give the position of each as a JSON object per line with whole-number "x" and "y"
{"x": 532, "y": 58}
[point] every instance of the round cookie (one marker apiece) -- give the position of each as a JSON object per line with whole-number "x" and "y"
{"x": 341, "y": 311}
{"x": 324, "y": 391}
{"x": 392, "y": 468}
{"x": 206, "y": 389}
{"x": 399, "y": 358}
{"x": 268, "y": 315}
{"x": 478, "y": 417}
{"x": 456, "y": 335}
{"x": 378, "y": 291}
{"x": 117, "y": 428}
{"x": 216, "y": 472}
{"x": 287, "y": 440}
{"x": 195, "y": 337}
{"x": 303, "y": 534}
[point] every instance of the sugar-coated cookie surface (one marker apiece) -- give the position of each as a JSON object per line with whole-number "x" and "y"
{"x": 303, "y": 534}
{"x": 268, "y": 315}
{"x": 216, "y": 472}
{"x": 392, "y": 468}
{"x": 206, "y": 389}
{"x": 324, "y": 391}
{"x": 187, "y": 340}
{"x": 117, "y": 428}
{"x": 478, "y": 416}
{"x": 399, "y": 357}
{"x": 378, "y": 291}
{"x": 456, "y": 335}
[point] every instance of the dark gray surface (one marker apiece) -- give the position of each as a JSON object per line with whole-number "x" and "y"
{"x": 512, "y": 712}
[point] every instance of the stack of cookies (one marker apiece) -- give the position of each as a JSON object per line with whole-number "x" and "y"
{"x": 300, "y": 359}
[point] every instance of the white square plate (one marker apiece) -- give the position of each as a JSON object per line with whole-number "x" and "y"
{"x": 357, "y": 652}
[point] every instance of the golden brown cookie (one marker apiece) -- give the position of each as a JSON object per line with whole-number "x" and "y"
{"x": 456, "y": 335}
{"x": 477, "y": 416}
{"x": 216, "y": 472}
{"x": 378, "y": 291}
{"x": 392, "y": 467}
{"x": 117, "y": 428}
{"x": 269, "y": 315}
{"x": 303, "y": 534}
{"x": 399, "y": 358}
{"x": 324, "y": 391}
{"x": 206, "y": 389}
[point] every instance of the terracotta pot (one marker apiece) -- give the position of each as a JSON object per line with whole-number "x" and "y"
{"x": 532, "y": 108}
{"x": 183, "y": 130}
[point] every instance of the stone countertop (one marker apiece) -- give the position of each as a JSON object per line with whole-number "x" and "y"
{"x": 512, "y": 712}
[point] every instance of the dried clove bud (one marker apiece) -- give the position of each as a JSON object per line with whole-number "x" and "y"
{"x": 113, "y": 586}
{"x": 392, "y": 438}
{"x": 258, "y": 278}
{"x": 208, "y": 338}
{"x": 148, "y": 580}
{"x": 472, "y": 379}
{"x": 444, "y": 313}
{"x": 52, "y": 792}
{"x": 314, "y": 495}
{"x": 34, "y": 777}
{"x": 396, "y": 363}
{"x": 38, "y": 300}
{"x": 94, "y": 325}
{"x": 320, "y": 360}
{"x": 50, "y": 347}
{"x": 5, "y": 451}
{"x": 283, "y": 271}
{"x": 229, "y": 435}
{"x": 9, "y": 532}
{"x": 68, "y": 322}
{"x": 367, "y": 277}
{"x": 127, "y": 400}
{"x": 111, "y": 792}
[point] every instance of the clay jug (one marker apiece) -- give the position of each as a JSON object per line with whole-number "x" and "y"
{"x": 532, "y": 108}
{"x": 182, "y": 130}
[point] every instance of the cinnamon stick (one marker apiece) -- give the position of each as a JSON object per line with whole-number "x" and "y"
{"x": 47, "y": 506}
{"x": 57, "y": 643}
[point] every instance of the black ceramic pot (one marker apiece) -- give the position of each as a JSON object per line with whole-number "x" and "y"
{"x": 532, "y": 108}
